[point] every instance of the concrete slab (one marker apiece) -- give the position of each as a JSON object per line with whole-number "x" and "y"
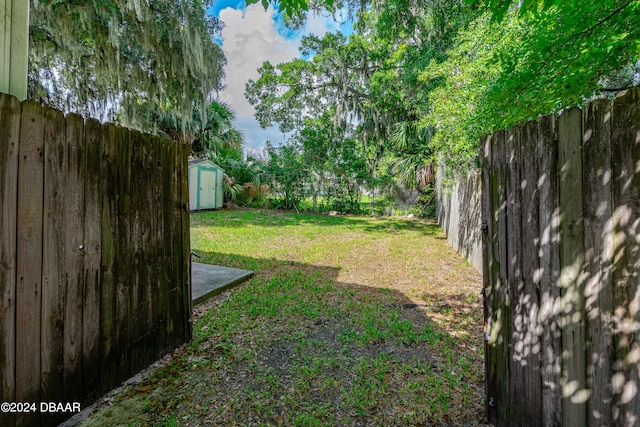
{"x": 208, "y": 280}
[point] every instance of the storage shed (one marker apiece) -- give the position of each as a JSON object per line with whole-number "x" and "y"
{"x": 205, "y": 185}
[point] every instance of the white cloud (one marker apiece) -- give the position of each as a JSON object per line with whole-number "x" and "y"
{"x": 248, "y": 39}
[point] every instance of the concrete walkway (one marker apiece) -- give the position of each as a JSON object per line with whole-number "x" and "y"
{"x": 209, "y": 280}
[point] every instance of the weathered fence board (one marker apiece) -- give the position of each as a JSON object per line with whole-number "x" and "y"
{"x": 135, "y": 239}
{"x": 109, "y": 261}
{"x": 10, "y": 128}
{"x": 93, "y": 285}
{"x": 529, "y": 350}
{"x": 147, "y": 258}
{"x": 598, "y": 257}
{"x": 29, "y": 258}
{"x": 549, "y": 260}
{"x": 487, "y": 260}
{"x": 626, "y": 265}
{"x": 154, "y": 249}
{"x": 54, "y": 256}
{"x": 500, "y": 316}
{"x": 514, "y": 275}
{"x": 574, "y": 390}
{"x": 163, "y": 253}
{"x": 123, "y": 249}
{"x": 73, "y": 244}
{"x": 185, "y": 274}
{"x": 92, "y": 260}
{"x": 561, "y": 201}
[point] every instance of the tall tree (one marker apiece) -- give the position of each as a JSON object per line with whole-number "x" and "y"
{"x": 457, "y": 68}
{"x": 370, "y": 81}
{"x": 107, "y": 57}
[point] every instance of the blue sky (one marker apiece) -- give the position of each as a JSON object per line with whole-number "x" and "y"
{"x": 218, "y": 5}
{"x": 250, "y": 37}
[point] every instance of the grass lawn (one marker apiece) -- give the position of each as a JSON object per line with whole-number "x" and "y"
{"x": 349, "y": 321}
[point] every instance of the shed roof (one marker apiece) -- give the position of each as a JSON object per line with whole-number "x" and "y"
{"x": 193, "y": 162}
{"x": 203, "y": 162}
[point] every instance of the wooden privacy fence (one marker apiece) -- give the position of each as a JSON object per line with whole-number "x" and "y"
{"x": 94, "y": 255}
{"x": 458, "y": 213}
{"x": 561, "y": 214}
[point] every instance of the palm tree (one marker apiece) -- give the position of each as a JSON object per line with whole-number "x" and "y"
{"x": 413, "y": 165}
{"x": 216, "y": 131}
{"x": 213, "y": 135}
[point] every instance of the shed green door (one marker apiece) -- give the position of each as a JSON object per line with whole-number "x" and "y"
{"x": 207, "y": 189}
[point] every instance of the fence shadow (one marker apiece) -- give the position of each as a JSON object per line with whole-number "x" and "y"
{"x": 374, "y": 322}
{"x": 275, "y": 219}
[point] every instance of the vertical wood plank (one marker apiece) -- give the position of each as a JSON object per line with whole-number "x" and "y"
{"x": 517, "y": 349}
{"x": 174, "y": 314}
{"x": 54, "y": 268}
{"x": 29, "y": 257}
{"x": 487, "y": 255}
{"x": 157, "y": 249}
{"x": 147, "y": 245}
{"x": 163, "y": 242}
{"x": 182, "y": 315}
{"x": 92, "y": 261}
{"x": 529, "y": 300}
{"x": 109, "y": 261}
{"x": 74, "y": 250}
{"x": 9, "y": 152}
{"x": 598, "y": 244}
{"x": 186, "y": 243}
{"x": 574, "y": 386}
{"x": 135, "y": 245}
{"x": 626, "y": 273}
{"x": 499, "y": 338}
{"x": 549, "y": 259}
{"x": 124, "y": 259}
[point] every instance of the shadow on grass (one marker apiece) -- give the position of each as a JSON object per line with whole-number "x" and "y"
{"x": 239, "y": 218}
{"x": 339, "y": 353}
{"x": 297, "y": 345}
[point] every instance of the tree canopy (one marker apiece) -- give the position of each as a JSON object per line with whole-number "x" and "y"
{"x": 416, "y": 84}
{"x": 125, "y": 60}
{"x": 441, "y": 73}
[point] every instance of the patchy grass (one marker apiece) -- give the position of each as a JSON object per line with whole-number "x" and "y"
{"x": 349, "y": 321}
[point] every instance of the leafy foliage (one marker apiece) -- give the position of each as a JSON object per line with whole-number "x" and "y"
{"x": 125, "y": 59}
{"x": 531, "y": 63}
{"x": 285, "y": 166}
{"x": 454, "y": 70}
{"x": 369, "y": 85}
